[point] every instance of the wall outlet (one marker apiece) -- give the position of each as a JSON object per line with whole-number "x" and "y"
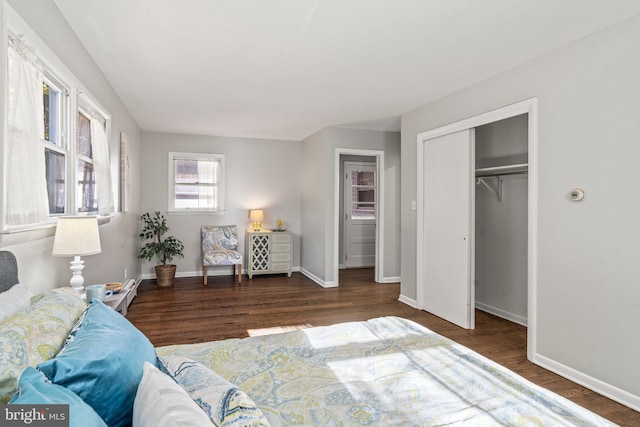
{"x": 125, "y": 275}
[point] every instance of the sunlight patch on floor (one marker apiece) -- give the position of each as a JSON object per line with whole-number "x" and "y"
{"x": 277, "y": 329}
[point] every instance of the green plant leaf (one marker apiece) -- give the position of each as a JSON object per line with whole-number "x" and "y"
{"x": 155, "y": 226}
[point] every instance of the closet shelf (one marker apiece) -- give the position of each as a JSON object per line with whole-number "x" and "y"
{"x": 515, "y": 169}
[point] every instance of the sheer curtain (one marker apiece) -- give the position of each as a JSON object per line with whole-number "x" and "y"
{"x": 27, "y": 201}
{"x": 101, "y": 165}
{"x": 206, "y": 177}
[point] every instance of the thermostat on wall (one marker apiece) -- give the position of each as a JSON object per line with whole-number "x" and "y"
{"x": 577, "y": 194}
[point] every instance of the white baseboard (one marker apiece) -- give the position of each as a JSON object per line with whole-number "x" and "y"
{"x": 212, "y": 271}
{"x": 333, "y": 284}
{"x": 179, "y": 273}
{"x": 318, "y": 280}
{"x": 515, "y": 318}
{"x": 409, "y": 301}
{"x": 605, "y": 389}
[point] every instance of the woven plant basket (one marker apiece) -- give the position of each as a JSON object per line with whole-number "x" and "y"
{"x": 165, "y": 275}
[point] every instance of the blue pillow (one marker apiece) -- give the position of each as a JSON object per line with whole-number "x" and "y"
{"x": 102, "y": 363}
{"x": 34, "y": 388}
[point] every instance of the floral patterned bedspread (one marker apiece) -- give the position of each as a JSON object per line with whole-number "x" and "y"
{"x": 386, "y": 371}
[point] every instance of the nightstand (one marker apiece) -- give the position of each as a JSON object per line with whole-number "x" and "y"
{"x": 120, "y": 301}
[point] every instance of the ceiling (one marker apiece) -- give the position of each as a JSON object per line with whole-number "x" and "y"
{"x": 284, "y": 69}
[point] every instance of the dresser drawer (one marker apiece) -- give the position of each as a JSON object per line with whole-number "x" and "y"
{"x": 280, "y": 266}
{"x": 280, "y": 238}
{"x": 280, "y": 257}
{"x": 281, "y": 247}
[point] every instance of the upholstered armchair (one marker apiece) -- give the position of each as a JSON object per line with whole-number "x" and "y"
{"x": 220, "y": 247}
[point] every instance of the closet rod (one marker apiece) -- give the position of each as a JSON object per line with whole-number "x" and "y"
{"x": 516, "y": 169}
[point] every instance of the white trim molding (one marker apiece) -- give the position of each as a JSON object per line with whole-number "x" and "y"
{"x": 600, "y": 387}
{"x": 212, "y": 271}
{"x": 318, "y": 280}
{"x": 409, "y": 301}
{"x": 515, "y": 318}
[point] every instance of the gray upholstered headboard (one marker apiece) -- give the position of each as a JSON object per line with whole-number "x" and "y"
{"x": 8, "y": 270}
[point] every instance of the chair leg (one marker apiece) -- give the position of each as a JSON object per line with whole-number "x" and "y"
{"x": 204, "y": 271}
{"x": 239, "y": 273}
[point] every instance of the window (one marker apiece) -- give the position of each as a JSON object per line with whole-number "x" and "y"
{"x": 196, "y": 182}
{"x": 55, "y": 132}
{"x": 55, "y": 150}
{"x": 363, "y": 195}
{"x": 86, "y": 198}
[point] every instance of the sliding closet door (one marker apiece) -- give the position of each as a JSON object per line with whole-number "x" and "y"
{"x": 449, "y": 193}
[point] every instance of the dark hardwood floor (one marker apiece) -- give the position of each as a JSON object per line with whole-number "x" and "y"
{"x": 189, "y": 312}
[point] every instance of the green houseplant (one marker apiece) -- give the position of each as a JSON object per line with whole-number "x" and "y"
{"x": 155, "y": 226}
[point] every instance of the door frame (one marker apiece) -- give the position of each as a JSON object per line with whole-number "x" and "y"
{"x": 344, "y": 239}
{"x": 530, "y": 107}
{"x": 379, "y": 156}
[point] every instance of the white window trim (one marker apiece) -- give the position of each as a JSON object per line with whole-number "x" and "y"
{"x": 173, "y": 155}
{"x": 78, "y": 96}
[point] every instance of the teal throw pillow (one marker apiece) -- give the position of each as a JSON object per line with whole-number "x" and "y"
{"x": 34, "y": 388}
{"x": 102, "y": 363}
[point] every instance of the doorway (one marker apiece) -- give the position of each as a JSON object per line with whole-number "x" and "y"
{"x": 374, "y": 158}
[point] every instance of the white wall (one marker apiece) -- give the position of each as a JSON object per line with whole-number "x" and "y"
{"x": 588, "y": 297}
{"x": 259, "y": 174}
{"x": 37, "y": 268}
{"x": 313, "y": 205}
{"x": 318, "y": 198}
{"x": 501, "y": 226}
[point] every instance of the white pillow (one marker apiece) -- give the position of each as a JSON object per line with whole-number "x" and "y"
{"x": 160, "y": 402}
{"x": 13, "y": 300}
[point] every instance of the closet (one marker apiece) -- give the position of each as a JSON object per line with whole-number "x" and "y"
{"x": 501, "y": 215}
{"x": 473, "y": 223}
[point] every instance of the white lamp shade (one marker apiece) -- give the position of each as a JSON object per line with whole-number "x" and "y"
{"x": 256, "y": 215}
{"x": 76, "y": 236}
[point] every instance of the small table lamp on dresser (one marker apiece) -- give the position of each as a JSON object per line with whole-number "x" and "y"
{"x": 257, "y": 216}
{"x": 76, "y": 236}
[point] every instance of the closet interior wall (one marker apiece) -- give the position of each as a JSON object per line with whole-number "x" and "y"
{"x": 501, "y": 225}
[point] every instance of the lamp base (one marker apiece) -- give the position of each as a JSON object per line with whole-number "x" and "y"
{"x": 77, "y": 265}
{"x": 257, "y": 226}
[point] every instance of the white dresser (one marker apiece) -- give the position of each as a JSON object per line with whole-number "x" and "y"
{"x": 268, "y": 252}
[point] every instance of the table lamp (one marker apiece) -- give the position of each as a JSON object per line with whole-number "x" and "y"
{"x": 257, "y": 216}
{"x": 76, "y": 236}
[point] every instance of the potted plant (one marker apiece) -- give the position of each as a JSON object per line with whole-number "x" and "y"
{"x": 155, "y": 226}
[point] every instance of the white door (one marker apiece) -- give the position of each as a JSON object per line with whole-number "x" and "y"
{"x": 360, "y": 214}
{"x": 449, "y": 193}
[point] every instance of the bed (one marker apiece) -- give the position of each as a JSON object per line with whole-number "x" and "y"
{"x": 384, "y": 371}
